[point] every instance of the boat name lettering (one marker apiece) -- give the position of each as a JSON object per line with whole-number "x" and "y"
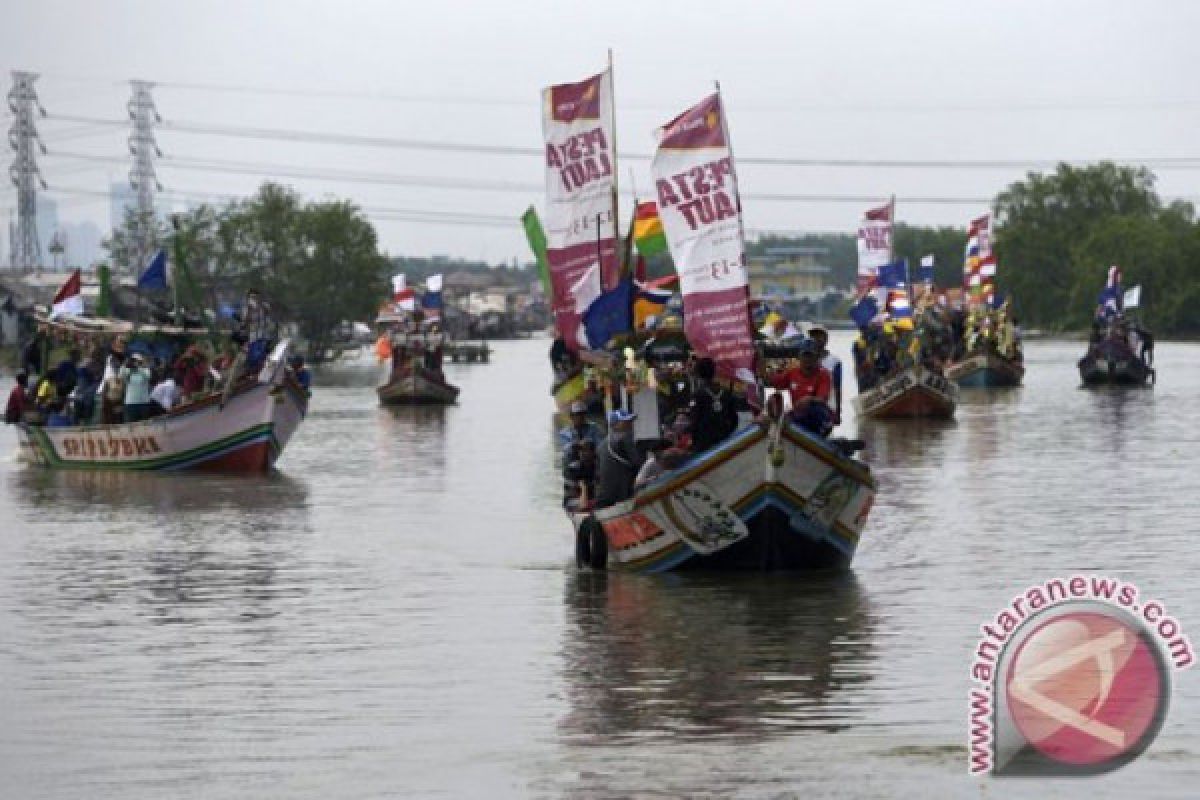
{"x": 888, "y": 390}
{"x": 109, "y": 446}
{"x": 936, "y": 382}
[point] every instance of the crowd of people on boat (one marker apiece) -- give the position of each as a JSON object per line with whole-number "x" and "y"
{"x": 412, "y": 339}
{"x": 935, "y": 337}
{"x": 125, "y": 379}
{"x": 1120, "y": 334}
{"x": 693, "y": 411}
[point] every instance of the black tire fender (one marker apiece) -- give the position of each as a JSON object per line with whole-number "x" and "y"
{"x": 597, "y": 543}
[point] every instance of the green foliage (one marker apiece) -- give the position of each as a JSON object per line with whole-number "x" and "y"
{"x": 317, "y": 263}
{"x": 1057, "y": 235}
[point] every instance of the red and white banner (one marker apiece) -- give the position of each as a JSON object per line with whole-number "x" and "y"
{"x": 581, "y": 169}
{"x": 874, "y": 245}
{"x": 698, "y": 202}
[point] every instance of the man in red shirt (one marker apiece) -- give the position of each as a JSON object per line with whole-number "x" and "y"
{"x": 17, "y": 400}
{"x": 808, "y": 384}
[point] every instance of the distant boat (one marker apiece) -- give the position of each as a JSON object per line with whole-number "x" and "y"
{"x": 913, "y": 392}
{"x": 414, "y": 384}
{"x": 1113, "y": 362}
{"x": 986, "y": 368}
{"x": 771, "y": 497}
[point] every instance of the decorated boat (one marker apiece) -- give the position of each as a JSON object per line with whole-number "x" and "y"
{"x": 913, "y": 392}
{"x": 1120, "y": 351}
{"x": 242, "y": 427}
{"x": 771, "y": 497}
{"x": 1113, "y": 362}
{"x": 414, "y": 384}
{"x": 986, "y": 368}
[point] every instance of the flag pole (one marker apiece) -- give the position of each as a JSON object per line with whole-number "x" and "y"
{"x": 616, "y": 227}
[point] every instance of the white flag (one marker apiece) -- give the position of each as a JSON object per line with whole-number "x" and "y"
{"x": 1133, "y": 297}
{"x": 433, "y": 283}
{"x": 584, "y": 292}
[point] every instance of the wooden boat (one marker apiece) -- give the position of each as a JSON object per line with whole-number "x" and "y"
{"x": 416, "y": 385}
{"x": 468, "y": 352}
{"x": 771, "y": 497}
{"x": 242, "y": 429}
{"x": 914, "y": 392}
{"x": 986, "y": 368}
{"x": 1112, "y": 362}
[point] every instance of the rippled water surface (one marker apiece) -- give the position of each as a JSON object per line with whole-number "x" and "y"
{"x": 393, "y": 613}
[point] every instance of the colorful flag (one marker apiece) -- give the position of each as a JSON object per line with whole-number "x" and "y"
{"x": 155, "y": 274}
{"x": 696, "y": 186}
{"x": 537, "y": 243}
{"x": 651, "y": 298}
{"x": 979, "y": 263}
{"x": 431, "y": 301}
{"x": 581, "y": 213}
{"x": 1111, "y": 296}
{"x": 69, "y": 298}
{"x": 583, "y": 293}
{"x": 648, "y": 230}
{"x": 874, "y": 244}
{"x": 609, "y": 314}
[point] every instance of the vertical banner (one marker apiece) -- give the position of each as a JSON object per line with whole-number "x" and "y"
{"x": 581, "y": 169}
{"x": 874, "y": 245}
{"x": 979, "y": 263}
{"x": 698, "y": 204}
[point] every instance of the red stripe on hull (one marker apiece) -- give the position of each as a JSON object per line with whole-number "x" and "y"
{"x": 254, "y": 457}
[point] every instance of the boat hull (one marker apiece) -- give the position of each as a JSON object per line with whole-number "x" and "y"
{"x": 768, "y": 499}
{"x": 245, "y": 433}
{"x": 417, "y": 386}
{"x": 1128, "y": 371}
{"x": 986, "y": 370}
{"x": 915, "y": 392}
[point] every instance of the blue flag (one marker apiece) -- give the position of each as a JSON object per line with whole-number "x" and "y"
{"x": 609, "y": 314}
{"x": 894, "y": 275}
{"x": 925, "y": 270}
{"x": 864, "y": 311}
{"x": 432, "y": 300}
{"x": 155, "y": 274}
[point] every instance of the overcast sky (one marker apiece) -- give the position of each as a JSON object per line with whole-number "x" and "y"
{"x": 1017, "y": 80}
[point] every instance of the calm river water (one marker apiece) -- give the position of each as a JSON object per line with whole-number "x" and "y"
{"x": 394, "y": 613}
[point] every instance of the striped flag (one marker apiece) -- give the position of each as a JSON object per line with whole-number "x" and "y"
{"x": 648, "y": 232}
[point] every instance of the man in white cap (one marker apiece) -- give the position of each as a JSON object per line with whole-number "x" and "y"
{"x": 617, "y": 460}
{"x": 580, "y": 428}
{"x": 135, "y": 376}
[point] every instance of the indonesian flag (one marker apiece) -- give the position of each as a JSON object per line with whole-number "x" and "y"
{"x": 403, "y": 296}
{"x": 69, "y": 299}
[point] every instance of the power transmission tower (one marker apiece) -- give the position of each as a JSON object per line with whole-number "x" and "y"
{"x": 142, "y": 178}
{"x": 23, "y": 137}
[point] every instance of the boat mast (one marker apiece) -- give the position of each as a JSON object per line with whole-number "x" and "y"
{"x": 618, "y": 253}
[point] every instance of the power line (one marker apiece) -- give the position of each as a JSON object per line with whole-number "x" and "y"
{"x": 317, "y": 137}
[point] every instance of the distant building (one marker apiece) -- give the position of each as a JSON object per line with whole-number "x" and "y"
{"x": 790, "y": 272}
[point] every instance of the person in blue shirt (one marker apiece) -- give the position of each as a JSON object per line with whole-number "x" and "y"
{"x": 303, "y": 376}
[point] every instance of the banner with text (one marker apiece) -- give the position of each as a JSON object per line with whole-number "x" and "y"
{"x": 874, "y": 245}
{"x": 581, "y": 168}
{"x": 697, "y": 196}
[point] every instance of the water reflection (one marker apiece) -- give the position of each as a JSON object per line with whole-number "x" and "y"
{"x": 157, "y": 492}
{"x": 903, "y": 443}
{"x": 704, "y": 655}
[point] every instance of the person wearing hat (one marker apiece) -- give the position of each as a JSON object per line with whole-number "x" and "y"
{"x": 617, "y": 460}
{"x": 832, "y": 363}
{"x": 135, "y": 376}
{"x": 580, "y": 428}
{"x": 808, "y": 386}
